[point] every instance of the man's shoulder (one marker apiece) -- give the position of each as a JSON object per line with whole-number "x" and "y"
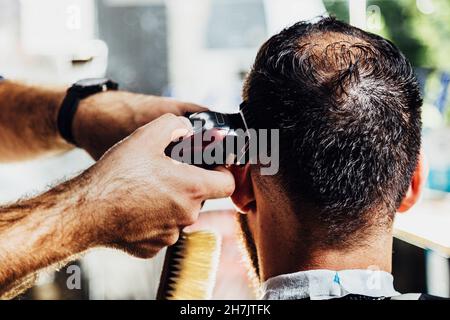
{"x": 418, "y": 296}
{"x": 425, "y": 296}
{"x": 404, "y": 297}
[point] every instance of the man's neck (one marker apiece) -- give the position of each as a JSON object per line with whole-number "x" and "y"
{"x": 375, "y": 258}
{"x": 280, "y": 254}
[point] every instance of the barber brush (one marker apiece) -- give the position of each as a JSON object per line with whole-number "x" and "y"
{"x": 190, "y": 267}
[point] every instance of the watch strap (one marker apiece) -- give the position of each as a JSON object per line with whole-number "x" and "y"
{"x": 66, "y": 114}
{"x": 71, "y": 102}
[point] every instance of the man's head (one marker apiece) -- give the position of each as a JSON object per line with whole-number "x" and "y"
{"x": 347, "y": 105}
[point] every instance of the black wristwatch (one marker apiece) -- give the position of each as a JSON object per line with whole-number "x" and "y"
{"x": 78, "y": 91}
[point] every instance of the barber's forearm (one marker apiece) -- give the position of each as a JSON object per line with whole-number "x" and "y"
{"x": 28, "y": 121}
{"x": 39, "y": 232}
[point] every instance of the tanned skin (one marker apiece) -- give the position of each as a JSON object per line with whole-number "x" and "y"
{"x": 28, "y": 119}
{"x": 277, "y": 243}
{"x": 134, "y": 198}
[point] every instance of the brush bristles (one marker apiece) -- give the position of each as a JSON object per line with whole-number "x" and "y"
{"x": 194, "y": 266}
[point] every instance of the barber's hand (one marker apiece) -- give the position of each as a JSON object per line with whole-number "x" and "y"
{"x": 105, "y": 118}
{"x": 140, "y": 198}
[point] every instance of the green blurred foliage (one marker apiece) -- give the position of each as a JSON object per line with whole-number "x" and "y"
{"x": 337, "y": 8}
{"x": 423, "y": 38}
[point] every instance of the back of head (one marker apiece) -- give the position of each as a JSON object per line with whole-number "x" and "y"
{"x": 347, "y": 105}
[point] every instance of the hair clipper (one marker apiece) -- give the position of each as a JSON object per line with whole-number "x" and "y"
{"x": 211, "y": 134}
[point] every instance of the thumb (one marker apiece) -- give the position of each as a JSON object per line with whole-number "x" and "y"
{"x": 165, "y": 129}
{"x": 218, "y": 183}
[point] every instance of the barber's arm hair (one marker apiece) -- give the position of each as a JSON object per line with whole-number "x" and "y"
{"x": 28, "y": 126}
{"x": 43, "y": 232}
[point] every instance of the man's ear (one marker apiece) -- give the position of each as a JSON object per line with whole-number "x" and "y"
{"x": 416, "y": 186}
{"x": 243, "y": 196}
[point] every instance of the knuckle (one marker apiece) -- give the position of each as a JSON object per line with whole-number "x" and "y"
{"x": 188, "y": 213}
{"x": 172, "y": 238}
{"x": 196, "y": 191}
{"x": 191, "y": 218}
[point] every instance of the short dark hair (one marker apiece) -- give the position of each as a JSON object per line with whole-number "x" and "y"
{"x": 348, "y": 106}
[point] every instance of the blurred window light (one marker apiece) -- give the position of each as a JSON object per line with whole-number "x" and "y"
{"x": 73, "y": 21}
{"x": 133, "y": 3}
{"x": 425, "y": 6}
{"x": 51, "y": 27}
{"x": 283, "y": 13}
{"x": 357, "y": 11}
{"x": 374, "y": 22}
{"x": 235, "y": 24}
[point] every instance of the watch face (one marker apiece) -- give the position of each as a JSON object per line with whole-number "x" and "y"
{"x": 92, "y": 82}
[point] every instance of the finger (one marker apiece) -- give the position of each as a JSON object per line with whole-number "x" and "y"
{"x": 179, "y": 108}
{"x": 186, "y": 107}
{"x": 218, "y": 183}
{"x": 165, "y": 129}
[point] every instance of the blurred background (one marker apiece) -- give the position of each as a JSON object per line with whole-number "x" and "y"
{"x": 200, "y": 51}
